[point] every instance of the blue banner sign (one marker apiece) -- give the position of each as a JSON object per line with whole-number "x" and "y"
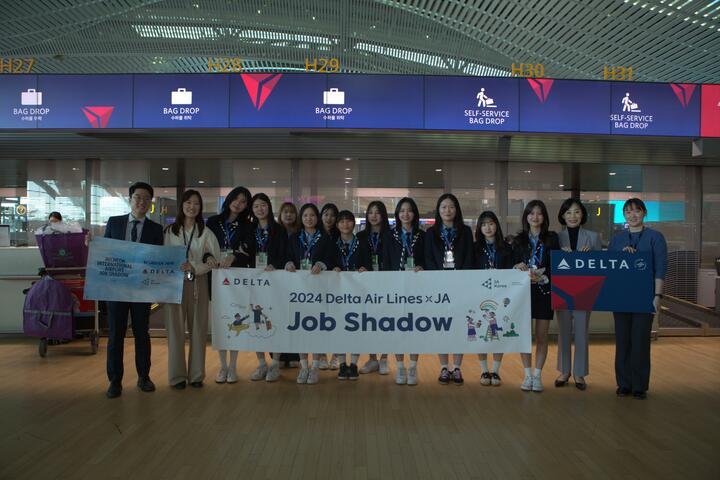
{"x": 122, "y": 271}
{"x": 602, "y": 281}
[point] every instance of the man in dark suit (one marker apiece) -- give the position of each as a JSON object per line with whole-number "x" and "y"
{"x": 134, "y": 227}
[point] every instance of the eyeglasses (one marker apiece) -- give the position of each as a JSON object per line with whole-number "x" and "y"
{"x": 141, "y": 198}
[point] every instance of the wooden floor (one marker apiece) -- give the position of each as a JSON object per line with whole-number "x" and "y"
{"x": 55, "y": 422}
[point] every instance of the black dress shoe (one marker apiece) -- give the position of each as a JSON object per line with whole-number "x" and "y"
{"x": 180, "y": 386}
{"x": 114, "y": 390}
{"x": 640, "y": 395}
{"x": 581, "y": 385}
{"x": 559, "y": 382}
{"x": 145, "y": 384}
{"x": 196, "y": 384}
{"x": 622, "y": 391}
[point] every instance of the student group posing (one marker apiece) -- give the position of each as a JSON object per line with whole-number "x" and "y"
{"x": 247, "y": 234}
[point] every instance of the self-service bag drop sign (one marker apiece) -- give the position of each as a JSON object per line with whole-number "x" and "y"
{"x": 334, "y": 97}
{"x": 181, "y": 97}
{"x": 31, "y": 97}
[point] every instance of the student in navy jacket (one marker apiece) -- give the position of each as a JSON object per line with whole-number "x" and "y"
{"x": 375, "y": 235}
{"x": 405, "y": 250}
{"x": 135, "y": 227}
{"x": 531, "y": 253}
{"x": 266, "y": 249}
{"x": 491, "y": 252}
{"x": 353, "y": 256}
{"x": 632, "y": 329}
{"x": 234, "y": 232}
{"x": 310, "y": 249}
{"x": 328, "y": 217}
{"x": 449, "y": 246}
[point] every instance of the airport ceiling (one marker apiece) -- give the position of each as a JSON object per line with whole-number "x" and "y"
{"x": 663, "y": 40}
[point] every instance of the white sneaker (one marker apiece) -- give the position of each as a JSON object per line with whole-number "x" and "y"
{"x": 221, "y": 376}
{"x": 273, "y": 372}
{"x": 384, "y": 369}
{"x": 401, "y": 376}
{"x": 323, "y": 364}
{"x": 412, "y": 376}
{"x": 313, "y": 376}
{"x": 334, "y": 364}
{"x": 303, "y": 375}
{"x": 232, "y": 376}
{"x": 259, "y": 373}
{"x": 527, "y": 384}
{"x": 370, "y": 366}
{"x": 537, "y": 385}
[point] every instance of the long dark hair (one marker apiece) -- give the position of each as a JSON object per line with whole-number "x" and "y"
{"x": 458, "y": 223}
{"x": 416, "y": 214}
{"x": 313, "y": 207}
{"x": 480, "y": 243}
{"x": 271, "y": 217}
{"x": 525, "y": 233}
{"x": 333, "y": 232}
{"x": 384, "y": 222}
{"x": 243, "y": 216}
{"x": 290, "y": 206}
{"x": 180, "y": 219}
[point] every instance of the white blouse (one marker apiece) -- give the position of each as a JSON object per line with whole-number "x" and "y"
{"x": 199, "y": 246}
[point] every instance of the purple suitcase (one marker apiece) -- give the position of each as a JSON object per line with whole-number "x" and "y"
{"x": 48, "y": 310}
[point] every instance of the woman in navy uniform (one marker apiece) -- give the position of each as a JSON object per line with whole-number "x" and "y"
{"x": 449, "y": 246}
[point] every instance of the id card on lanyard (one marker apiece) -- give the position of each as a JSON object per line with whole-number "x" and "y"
{"x": 262, "y": 236}
{"x": 448, "y": 237}
{"x": 307, "y": 246}
{"x": 374, "y": 239}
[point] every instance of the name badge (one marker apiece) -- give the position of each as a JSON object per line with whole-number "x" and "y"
{"x": 261, "y": 260}
{"x": 375, "y": 263}
{"x": 226, "y": 253}
{"x": 449, "y": 260}
{"x": 305, "y": 264}
{"x": 409, "y": 263}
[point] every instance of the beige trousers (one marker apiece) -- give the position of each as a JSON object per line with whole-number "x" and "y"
{"x": 191, "y": 314}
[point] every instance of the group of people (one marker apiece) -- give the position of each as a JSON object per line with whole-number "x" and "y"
{"x": 247, "y": 234}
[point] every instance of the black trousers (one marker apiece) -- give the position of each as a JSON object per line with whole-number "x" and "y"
{"x": 118, "y": 321}
{"x": 632, "y": 350}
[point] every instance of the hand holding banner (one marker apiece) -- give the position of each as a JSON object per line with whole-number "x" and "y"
{"x": 134, "y": 272}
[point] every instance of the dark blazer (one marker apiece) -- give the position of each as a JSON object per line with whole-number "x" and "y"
{"x": 360, "y": 257}
{"x": 364, "y": 237}
{"x": 152, "y": 233}
{"x": 241, "y": 240}
{"x": 522, "y": 249}
{"x": 462, "y": 250}
{"x": 323, "y": 251}
{"x": 503, "y": 260}
{"x": 392, "y": 249}
{"x": 276, "y": 248}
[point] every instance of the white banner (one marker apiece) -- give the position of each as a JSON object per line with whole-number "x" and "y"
{"x": 465, "y": 311}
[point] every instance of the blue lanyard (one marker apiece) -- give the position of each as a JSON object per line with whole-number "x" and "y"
{"x": 490, "y": 252}
{"x": 374, "y": 242}
{"x": 537, "y": 251}
{"x": 407, "y": 243}
{"x": 308, "y": 244}
{"x": 448, "y": 236}
{"x": 630, "y": 239}
{"x": 229, "y": 237}
{"x": 262, "y": 235}
{"x": 346, "y": 251}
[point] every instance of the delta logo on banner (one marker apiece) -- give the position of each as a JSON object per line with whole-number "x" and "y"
{"x": 602, "y": 281}
{"x": 541, "y": 87}
{"x": 98, "y": 116}
{"x": 259, "y": 86}
{"x": 684, "y": 92}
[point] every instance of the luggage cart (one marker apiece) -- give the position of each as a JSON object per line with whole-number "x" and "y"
{"x": 55, "y": 310}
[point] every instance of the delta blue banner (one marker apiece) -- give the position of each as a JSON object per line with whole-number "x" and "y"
{"x": 602, "y": 281}
{"x": 134, "y": 272}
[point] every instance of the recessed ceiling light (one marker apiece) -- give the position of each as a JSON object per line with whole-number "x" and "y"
{"x": 438, "y": 169}
{"x": 492, "y": 184}
{"x": 561, "y": 185}
{"x": 75, "y": 169}
{"x": 347, "y": 169}
{"x": 348, "y": 178}
{"x": 612, "y": 174}
{"x": 628, "y": 186}
{"x": 346, "y": 182}
{"x": 165, "y": 169}
{"x": 420, "y": 183}
{"x": 274, "y": 181}
{"x": 201, "y": 181}
{"x": 256, "y": 168}
{"x": 528, "y": 171}
{"x": 347, "y": 159}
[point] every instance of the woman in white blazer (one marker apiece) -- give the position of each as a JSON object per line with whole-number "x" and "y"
{"x": 574, "y": 238}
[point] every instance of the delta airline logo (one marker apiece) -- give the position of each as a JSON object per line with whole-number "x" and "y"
{"x": 684, "y": 92}
{"x": 259, "y": 86}
{"x": 541, "y": 87}
{"x": 226, "y": 282}
{"x": 600, "y": 264}
{"x": 98, "y": 116}
{"x": 563, "y": 265}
